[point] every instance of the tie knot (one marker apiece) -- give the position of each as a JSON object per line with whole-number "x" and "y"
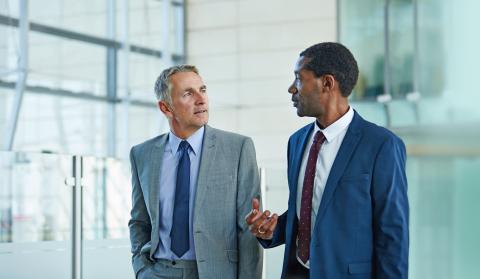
{"x": 319, "y": 138}
{"x": 183, "y": 146}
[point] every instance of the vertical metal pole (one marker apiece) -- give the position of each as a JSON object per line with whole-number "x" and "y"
{"x": 338, "y": 20}
{"x": 416, "y": 65}
{"x": 23, "y": 28}
{"x": 386, "y": 65}
{"x": 77, "y": 234}
{"x": 124, "y": 80}
{"x": 167, "y": 53}
{"x": 180, "y": 40}
{"x": 111, "y": 82}
{"x": 416, "y": 62}
{"x": 263, "y": 202}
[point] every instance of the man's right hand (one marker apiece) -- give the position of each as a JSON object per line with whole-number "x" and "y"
{"x": 261, "y": 224}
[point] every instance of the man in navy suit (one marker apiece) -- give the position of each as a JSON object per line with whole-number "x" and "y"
{"x": 348, "y": 212}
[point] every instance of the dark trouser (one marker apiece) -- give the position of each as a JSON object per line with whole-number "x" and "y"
{"x": 297, "y": 271}
{"x": 170, "y": 269}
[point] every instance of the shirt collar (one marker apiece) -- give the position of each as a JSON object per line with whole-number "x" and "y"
{"x": 334, "y": 129}
{"x": 195, "y": 141}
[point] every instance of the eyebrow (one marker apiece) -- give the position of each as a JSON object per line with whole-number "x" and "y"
{"x": 192, "y": 89}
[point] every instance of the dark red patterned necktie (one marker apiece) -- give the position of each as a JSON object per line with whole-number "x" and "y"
{"x": 305, "y": 225}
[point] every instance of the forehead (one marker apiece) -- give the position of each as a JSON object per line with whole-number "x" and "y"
{"x": 182, "y": 80}
{"x": 300, "y": 63}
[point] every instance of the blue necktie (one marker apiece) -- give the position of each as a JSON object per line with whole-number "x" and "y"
{"x": 180, "y": 225}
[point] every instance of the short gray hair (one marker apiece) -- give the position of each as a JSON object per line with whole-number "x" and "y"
{"x": 163, "y": 86}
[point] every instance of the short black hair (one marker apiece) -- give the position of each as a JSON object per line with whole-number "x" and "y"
{"x": 335, "y": 59}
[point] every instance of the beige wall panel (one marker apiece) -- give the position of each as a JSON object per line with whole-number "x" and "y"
{"x": 265, "y": 92}
{"x": 267, "y": 64}
{"x": 211, "y": 15}
{"x": 212, "y": 42}
{"x": 222, "y": 93}
{"x": 216, "y": 67}
{"x": 257, "y": 12}
{"x": 289, "y": 35}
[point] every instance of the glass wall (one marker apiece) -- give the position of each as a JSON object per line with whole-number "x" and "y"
{"x": 39, "y": 209}
{"x": 89, "y": 64}
{"x": 422, "y": 54}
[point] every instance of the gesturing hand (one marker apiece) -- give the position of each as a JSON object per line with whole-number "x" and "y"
{"x": 261, "y": 224}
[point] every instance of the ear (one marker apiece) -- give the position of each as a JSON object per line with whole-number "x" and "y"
{"x": 165, "y": 109}
{"x": 328, "y": 83}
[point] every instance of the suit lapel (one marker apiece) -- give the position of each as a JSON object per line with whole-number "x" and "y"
{"x": 209, "y": 150}
{"x": 155, "y": 165}
{"x": 341, "y": 161}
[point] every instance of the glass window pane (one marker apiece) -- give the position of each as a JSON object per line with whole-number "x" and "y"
{"x": 78, "y": 16}
{"x": 66, "y": 64}
{"x": 62, "y": 125}
{"x": 35, "y": 214}
{"x": 361, "y": 30}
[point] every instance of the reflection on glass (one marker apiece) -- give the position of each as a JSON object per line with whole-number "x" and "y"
{"x": 106, "y": 198}
{"x": 362, "y": 29}
{"x": 35, "y": 203}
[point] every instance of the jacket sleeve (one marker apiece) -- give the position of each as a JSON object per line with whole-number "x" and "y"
{"x": 390, "y": 211}
{"x": 139, "y": 224}
{"x": 250, "y": 253}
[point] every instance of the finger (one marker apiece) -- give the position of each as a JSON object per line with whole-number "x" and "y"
{"x": 255, "y": 204}
{"x": 250, "y": 218}
{"x": 253, "y": 216}
{"x": 269, "y": 228}
{"x": 257, "y": 221}
{"x": 260, "y": 218}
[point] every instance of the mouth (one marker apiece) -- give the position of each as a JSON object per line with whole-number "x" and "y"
{"x": 201, "y": 111}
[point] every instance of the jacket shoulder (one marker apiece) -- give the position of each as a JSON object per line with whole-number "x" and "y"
{"x": 226, "y": 135}
{"x": 146, "y": 145}
{"x": 379, "y": 133}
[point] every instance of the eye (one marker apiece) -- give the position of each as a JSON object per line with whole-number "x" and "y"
{"x": 188, "y": 93}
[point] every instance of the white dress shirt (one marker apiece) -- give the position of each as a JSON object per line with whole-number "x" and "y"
{"x": 334, "y": 135}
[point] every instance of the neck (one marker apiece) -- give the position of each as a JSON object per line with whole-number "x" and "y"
{"x": 332, "y": 114}
{"x": 183, "y": 133}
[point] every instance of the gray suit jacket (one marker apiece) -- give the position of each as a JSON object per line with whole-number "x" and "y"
{"x": 227, "y": 182}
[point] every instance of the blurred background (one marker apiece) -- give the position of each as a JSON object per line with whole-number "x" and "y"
{"x": 76, "y": 92}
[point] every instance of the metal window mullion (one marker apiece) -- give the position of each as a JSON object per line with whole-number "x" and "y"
{"x": 124, "y": 85}
{"x": 22, "y": 75}
{"x": 416, "y": 64}
{"x": 166, "y": 5}
{"x": 111, "y": 79}
{"x": 180, "y": 30}
{"x": 77, "y": 224}
{"x": 386, "y": 65}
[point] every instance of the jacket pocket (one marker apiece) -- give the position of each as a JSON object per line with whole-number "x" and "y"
{"x": 232, "y": 255}
{"x": 358, "y": 268}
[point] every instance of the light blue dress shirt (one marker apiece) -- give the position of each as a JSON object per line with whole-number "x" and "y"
{"x": 168, "y": 180}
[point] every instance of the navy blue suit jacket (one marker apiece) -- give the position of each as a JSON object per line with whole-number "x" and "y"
{"x": 361, "y": 230}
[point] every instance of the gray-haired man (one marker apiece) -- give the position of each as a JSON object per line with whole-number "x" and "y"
{"x": 192, "y": 188}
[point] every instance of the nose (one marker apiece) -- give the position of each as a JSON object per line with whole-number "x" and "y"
{"x": 292, "y": 89}
{"x": 201, "y": 98}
